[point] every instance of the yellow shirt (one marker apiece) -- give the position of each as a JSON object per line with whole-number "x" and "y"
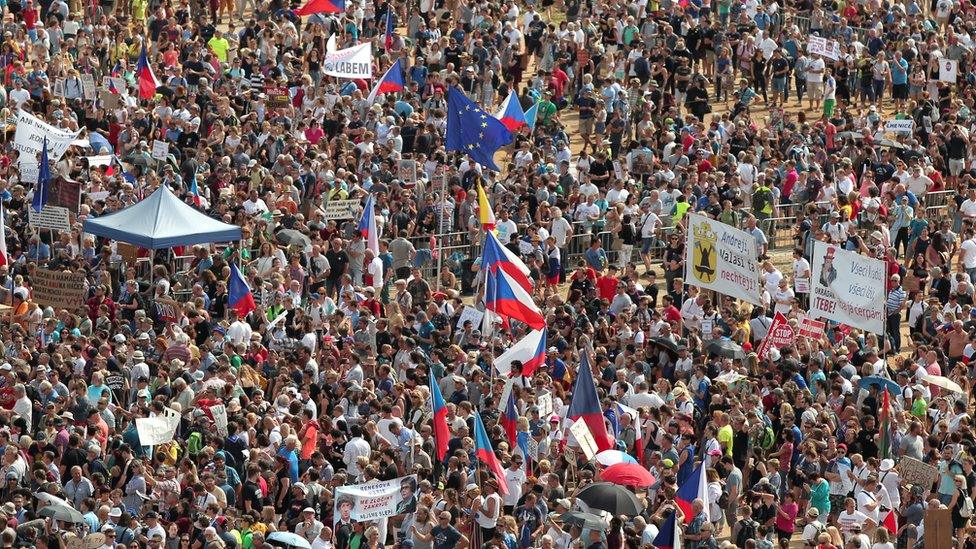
{"x": 220, "y": 47}
{"x": 139, "y": 9}
{"x": 725, "y": 435}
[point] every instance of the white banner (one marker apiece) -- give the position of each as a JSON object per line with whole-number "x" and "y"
{"x": 99, "y": 160}
{"x": 375, "y": 500}
{"x": 722, "y": 258}
{"x": 159, "y": 429}
{"x": 900, "y": 126}
{"x": 50, "y": 217}
{"x": 342, "y": 209}
{"x": 354, "y": 62}
{"x": 821, "y": 46}
{"x": 581, "y": 432}
{"x": 848, "y": 288}
{"x": 30, "y": 134}
{"x": 219, "y": 412}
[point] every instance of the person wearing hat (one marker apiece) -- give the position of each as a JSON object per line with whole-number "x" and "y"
{"x": 310, "y": 526}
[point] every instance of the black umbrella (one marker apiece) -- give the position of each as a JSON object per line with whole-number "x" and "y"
{"x": 291, "y": 237}
{"x": 665, "y": 344}
{"x": 584, "y": 520}
{"x": 724, "y": 348}
{"x": 611, "y": 498}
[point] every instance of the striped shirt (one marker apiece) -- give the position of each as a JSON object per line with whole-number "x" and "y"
{"x": 896, "y": 298}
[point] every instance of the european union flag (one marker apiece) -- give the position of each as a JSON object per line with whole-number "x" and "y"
{"x": 472, "y": 130}
{"x": 43, "y": 181}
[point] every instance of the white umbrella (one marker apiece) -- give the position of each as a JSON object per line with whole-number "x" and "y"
{"x": 613, "y": 457}
{"x": 945, "y": 383}
{"x": 50, "y": 498}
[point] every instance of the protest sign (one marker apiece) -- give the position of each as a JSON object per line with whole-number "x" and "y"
{"x": 51, "y": 217}
{"x": 58, "y": 89}
{"x": 129, "y": 252}
{"x": 169, "y": 309}
{"x": 109, "y": 100}
{"x": 544, "y": 402}
{"x": 28, "y": 173}
{"x": 811, "y": 329}
{"x": 780, "y": 334}
{"x": 723, "y": 259}
{"x": 278, "y": 97}
{"x": 64, "y": 193}
{"x": 821, "y": 46}
{"x": 160, "y": 149}
{"x": 88, "y": 86}
{"x": 341, "y": 209}
{"x": 584, "y": 438}
{"x": 354, "y": 62}
{"x": 407, "y": 172}
{"x": 915, "y": 472}
{"x": 30, "y": 134}
{"x": 948, "y": 70}
{"x": 848, "y": 287}
{"x": 472, "y": 314}
{"x": 159, "y": 429}
{"x": 219, "y": 412}
{"x": 900, "y": 126}
{"x": 375, "y": 500}
{"x": 61, "y": 290}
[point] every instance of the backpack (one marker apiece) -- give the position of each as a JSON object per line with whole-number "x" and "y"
{"x": 762, "y": 198}
{"x": 767, "y": 438}
{"x": 194, "y": 443}
{"x": 748, "y": 530}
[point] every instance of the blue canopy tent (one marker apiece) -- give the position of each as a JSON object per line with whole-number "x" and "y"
{"x": 160, "y": 221}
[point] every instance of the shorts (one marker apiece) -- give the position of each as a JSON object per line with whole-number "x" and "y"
{"x": 956, "y": 166}
{"x": 779, "y": 85}
{"x": 899, "y": 91}
{"x": 646, "y": 245}
{"x": 553, "y": 280}
{"x": 815, "y": 89}
{"x": 828, "y": 106}
{"x": 586, "y": 126}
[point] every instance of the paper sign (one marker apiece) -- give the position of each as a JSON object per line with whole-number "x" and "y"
{"x": 88, "y": 86}
{"x": 472, "y": 314}
{"x": 544, "y": 402}
{"x": 821, "y": 46}
{"x": 278, "y": 97}
{"x": 915, "y": 472}
{"x": 848, "y": 287}
{"x": 900, "y": 126}
{"x": 160, "y": 149}
{"x": 58, "y": 289}
{"x": 219, "y": 412}
{"x": 948, "y": 70}
{"x": 158, "y": 430}
{"x": 342, "y": 209}
{"x": 58, "y": 89}
{"x": 375, "y": 500}
{"x": 618, "y": 170}
{"x": 28, "y": 173}
{"x": 99, "y": 195}
{"x": 811, "y": 329}
{"x": 780, "y": 334}
{"x": 407, "y": 172}
{"x": 51, "y": 217}
{"x": 584, "y": 438}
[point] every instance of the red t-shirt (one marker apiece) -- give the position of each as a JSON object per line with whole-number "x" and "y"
{"x": 606, "y": 287}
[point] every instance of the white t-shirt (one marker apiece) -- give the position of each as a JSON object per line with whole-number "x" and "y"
{"x": 505, "y": 230}
{"x": 968, "y": 207}
{"x": 846, "y": 521}
{"x": 816, "y": 64}
{"x": 560, "y": 230}
{"x": 513, "y": 480}
{"x": 969, "y": 253}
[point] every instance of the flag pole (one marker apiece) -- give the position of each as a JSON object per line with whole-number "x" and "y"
{"x": 440, "y": 228}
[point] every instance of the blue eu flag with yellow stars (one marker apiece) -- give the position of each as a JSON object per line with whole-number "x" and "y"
{"x": 472, "y": 130}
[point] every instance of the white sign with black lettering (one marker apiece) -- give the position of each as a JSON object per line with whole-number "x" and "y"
{"x": 51, "y": 217}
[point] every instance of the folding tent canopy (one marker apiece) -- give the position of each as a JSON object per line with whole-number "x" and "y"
{"x": 162, "y": 221}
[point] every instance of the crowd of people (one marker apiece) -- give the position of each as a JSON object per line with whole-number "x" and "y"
{"x": 845, "y": 122}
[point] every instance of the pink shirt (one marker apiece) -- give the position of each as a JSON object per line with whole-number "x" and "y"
{"x": 786, "y": 524}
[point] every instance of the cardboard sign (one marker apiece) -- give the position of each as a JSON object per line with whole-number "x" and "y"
{"x": 342, "y": 209}
{"x": 407, "y": 172}
{"x": 109, "y": 100}
{"x": 915, "y": 472}
{"x": 129, "y": 252}
{"x": 64, "y": 193}
{"x": 58, "y": 289}
{"x": 938, "y": 528}
{"x": 51, "y": 217}
{"x": 160, "y": 149}
{"x": 810, "y": 328}
{"x": 278, "y": 96}
{"x": 584, "y": 438}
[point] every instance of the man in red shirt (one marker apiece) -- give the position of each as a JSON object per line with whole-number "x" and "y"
{"x": 606, "y": 285}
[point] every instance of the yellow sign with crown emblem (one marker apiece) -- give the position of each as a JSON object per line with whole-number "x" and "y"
{"x": 704, "y": 256}
{"x": 722, "y": 258}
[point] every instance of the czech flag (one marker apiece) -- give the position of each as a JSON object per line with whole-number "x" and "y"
{"x": 145, "y": 75}
{"x": 511, "y": 113}
{"x": 531, "y": 115}
{"x": 669, "y": 536}
{"x": 442, "y": 434}
{"x": 495, "y": 257}
{"x": 890, "y": 523}
{"x": 4, "y": 260}
{"x": 530, "y": 351}
{"x": 391, "y": 82}
{"x": 485, "y": 453}
{"x": 507, "y": 298}
{"x": 367, "y": 226}
{"x": 509, "y": 420}
{"x": 485, "y": 214}
{"x": 239, "y": 296}
{"x": 117, "y": 69}
{"x": 321, "y": 6}
{"x": 112, "y": 89}
{"x": 388, "y": 38}
{"x": 694, "y": 488}
{"x": 586, "y": 404}
{"x": 195, "y": 191}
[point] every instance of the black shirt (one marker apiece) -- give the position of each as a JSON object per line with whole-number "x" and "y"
{"x": 337, "y": 261}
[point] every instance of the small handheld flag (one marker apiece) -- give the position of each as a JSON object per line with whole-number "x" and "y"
{"x": 392, "y": 81}
{"x": 43, "y": 181}
{"x": 473, "y": 131}
{"x": 239, "y": 296}
{"x": 485, "y": 214}
{"x": 144, "y": 73}
{"x": 441, "y": 433}
{"x": 388, "y": 38}
{"x": 367, "y": 226}
{"x": 511, "y": 113}
{"x": 509, "y": 419}
{"x": 484, "y": 452}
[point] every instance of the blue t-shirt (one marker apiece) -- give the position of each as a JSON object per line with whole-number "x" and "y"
{"x": 899, "y": 72}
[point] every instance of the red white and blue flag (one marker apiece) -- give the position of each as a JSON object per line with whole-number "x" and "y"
{"x": 635, "y": 420}
{"x": 511, "y": 113}
{"x": 530, "y": 351}
{"x": 391, "y": 82}
{"x": 239, "y": 296}
{"x": 117, "y": 69}
{"x": 669, "y": 536}
{"x": 388, "y": 38}
{"x": 695, "y": 487}
{"x": 497, "y": 257}
{"x": 506, "y": 297}
{"x": 442, "y": 434}
{"x": 367, "y": 226}
{"x": 509, "y": 420}
{"x": 586, "y": 404}
{"x": 321, "y": 6}
{"x": 145, "y": 76}
{"x": 195, "y": 192}
{"x": 486, "y": 454}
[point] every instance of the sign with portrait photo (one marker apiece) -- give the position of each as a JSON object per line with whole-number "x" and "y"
{"x": 375, "y": 500}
